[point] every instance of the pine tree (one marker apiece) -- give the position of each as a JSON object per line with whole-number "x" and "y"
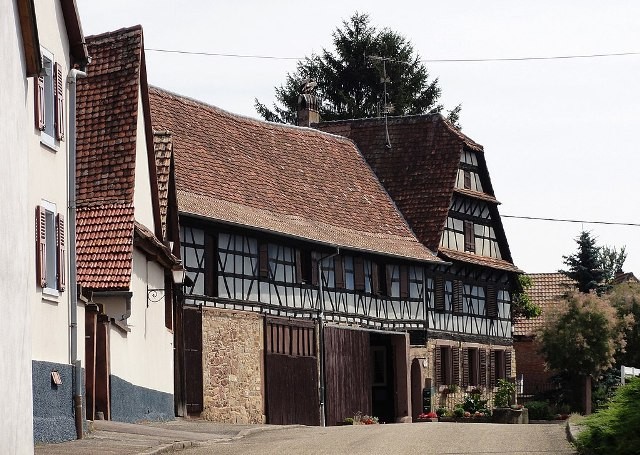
{"x": 349, "y": 80}
{"x": 585, "y": 266}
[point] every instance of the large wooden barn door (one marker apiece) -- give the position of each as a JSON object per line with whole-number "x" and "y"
{"x": 192, "y": 325}
{"x": 347, "y": 373}
{"x": 291, "y": 372}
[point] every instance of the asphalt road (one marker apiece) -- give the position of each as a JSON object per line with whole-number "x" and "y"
{"x": 416, "y": 438}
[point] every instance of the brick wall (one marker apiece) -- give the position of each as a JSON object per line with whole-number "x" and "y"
{"x": 233, "y": 367}
{"x": 531, "y": 365}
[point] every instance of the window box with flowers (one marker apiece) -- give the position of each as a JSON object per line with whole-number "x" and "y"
{"x": 427, "y": 417}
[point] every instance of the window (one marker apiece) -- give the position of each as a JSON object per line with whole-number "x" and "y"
{"x": 50, "y": 254}
{"x": 49, "y": 101}
{"x": 500, "y": 365}
{"x": 469, "y": 237}
{"x": 474, "y": 366}
{"x": 447, "y": 365}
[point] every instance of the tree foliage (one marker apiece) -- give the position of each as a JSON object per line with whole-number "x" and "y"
{"x": 625, "y": 298}
{"x": 521, "y": 303}
{"x": 349, "y": 79}
{"x": 582, "y": 337}
{"x": 611, "y": 261}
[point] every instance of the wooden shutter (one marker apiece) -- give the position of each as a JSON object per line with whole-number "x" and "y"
{"x": 465, "y": 367}
{"x": 467, "y": 179}
{"x": 458, "y": 297}
{"x": 455, "y": 369}
{"x": 59, "y": 101}
{"x": 339, "y": 271}
{"x": 438, "y": 366}
{"x": 299, "y": 278}
{"x": 358, "y": 271}
{"x": 492, "y": 301}
{"x": 469, "y": 237}
{"x": 388, "y": 275}
{"x": 507, "y": 364}
{"x": 404, "y": 281}
{"x": 375, "y": 279}
{"x": 264, "y": 260}
{"x": 439, "y": 293}
{"x": 61, "y": 252}
{"x": 39, "y": 102}
{"x": 41, "y": 246}
{"x": 482, "y": 354}
{"x": 492, "y": 368}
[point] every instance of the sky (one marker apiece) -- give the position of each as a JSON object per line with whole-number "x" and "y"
{"x": 559, "y": 135}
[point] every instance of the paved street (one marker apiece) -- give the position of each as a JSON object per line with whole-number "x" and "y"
{"x": 418, "y": 438}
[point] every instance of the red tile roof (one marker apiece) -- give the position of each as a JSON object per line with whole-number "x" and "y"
{"x": 292, "y": 181}
{"x": 485, "y": 261}
{"x": 419, "y": 172}
{"x": 107, "y": 125}
{"x": 547, "y": 292}
{"x": 164, "y": 148}
{"x": 105, "y": 246}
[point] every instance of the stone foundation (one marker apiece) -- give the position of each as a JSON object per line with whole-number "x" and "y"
{"x": 232, "y": 366}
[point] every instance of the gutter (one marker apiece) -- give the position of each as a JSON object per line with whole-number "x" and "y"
{"x": 72, "y": 78}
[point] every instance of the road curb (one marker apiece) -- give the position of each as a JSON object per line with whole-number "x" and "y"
{"x": 172, "y": 447}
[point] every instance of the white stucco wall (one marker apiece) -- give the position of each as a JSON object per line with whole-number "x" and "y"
{"x": 142, "y": 194}
{"x": 48, "y": 180}
{"x": 143, "y": 356}
{"x": 16, "y": 128}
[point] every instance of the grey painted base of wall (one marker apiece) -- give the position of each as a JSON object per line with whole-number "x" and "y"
{"x": 131, "y": 403}
{"x": 53, "y": 419}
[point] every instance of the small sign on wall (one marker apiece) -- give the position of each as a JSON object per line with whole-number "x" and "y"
{"x": 56, "y": 378}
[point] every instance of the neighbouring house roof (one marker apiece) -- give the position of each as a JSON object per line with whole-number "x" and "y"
{"x": 419, "y": 172}
{"x": 485, "y": 261}
{"x": 547, "y": 292}
{"x": 622, "y": 277}
{"x": 163, "y": 147}
{"x": 107, "y": 126}
{"x": 287, "y": 180}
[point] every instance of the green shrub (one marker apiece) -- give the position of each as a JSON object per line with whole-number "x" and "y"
{"x": 472, "y": 403}
{"x": 614, "y": 429}
{"x": 504, "y": 396}
{"x": 539, "y": 410}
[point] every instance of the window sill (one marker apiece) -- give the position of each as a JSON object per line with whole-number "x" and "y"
{"x": 121, "y": 325}
{"x": 49, "y": 142}
{"x": 50, "y": 296}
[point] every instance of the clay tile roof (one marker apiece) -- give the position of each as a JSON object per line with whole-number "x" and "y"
{"x": 104, "y": 246}
{"x": 547, "y": 291}
{"x": 107, "y": 116}
{"x": 163, "y": 147}
{"x": 292, "y": 181}
{"x": 485, "y": 261}
{"x": 419, "y": 170}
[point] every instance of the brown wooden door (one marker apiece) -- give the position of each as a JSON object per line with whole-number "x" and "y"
{"x": 347, "y": 373}
{"x": 291, "y": 372}
{"x": 179, "y": 382}
{"x": 192, "y": 324}
{"x": 103, "y": 367}
{"x": 90, "y": 327}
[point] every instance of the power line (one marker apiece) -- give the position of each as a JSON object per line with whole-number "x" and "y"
{"x": 441, "y": 60}
{"x": 611, "y": 223}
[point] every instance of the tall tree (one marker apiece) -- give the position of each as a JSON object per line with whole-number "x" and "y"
{"x": 612, "y": 261}
{"x": 349, "y": 78}
{"x": 584, "y": 265}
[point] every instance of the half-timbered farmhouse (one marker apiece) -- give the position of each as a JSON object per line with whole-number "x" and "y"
{"x": 294, "y": 250}
{"x": 439, "y": 180}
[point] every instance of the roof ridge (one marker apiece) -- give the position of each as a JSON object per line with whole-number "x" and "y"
{"x": 114, "y": 33}
{"x": 245, "y": 118}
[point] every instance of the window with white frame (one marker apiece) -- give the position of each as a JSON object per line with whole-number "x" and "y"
{"x": 50, "y": 254}
{"x": 49, "y": 101}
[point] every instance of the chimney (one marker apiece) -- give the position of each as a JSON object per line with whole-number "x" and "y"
{"x": 308, "y": 112}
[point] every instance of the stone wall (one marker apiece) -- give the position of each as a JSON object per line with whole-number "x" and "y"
{"x": 232, "y": 366}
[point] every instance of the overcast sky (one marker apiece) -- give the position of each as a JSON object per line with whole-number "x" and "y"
{"x": 560, "y": 136}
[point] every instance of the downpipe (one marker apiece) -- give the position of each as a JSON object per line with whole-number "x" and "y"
{"x": 74, "y": 74}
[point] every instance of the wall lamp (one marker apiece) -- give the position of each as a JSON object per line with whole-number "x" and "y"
{"x": 179, "y": 277}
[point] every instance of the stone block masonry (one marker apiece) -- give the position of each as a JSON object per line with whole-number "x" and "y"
{"x": 233, "y": 366}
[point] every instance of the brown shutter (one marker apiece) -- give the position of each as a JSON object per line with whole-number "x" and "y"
{"x": 314, "y": 269}
{"x": 467, "y": 179}
{"x": 339, "y": 271}
{"x": 404, "y": 281}
{"x": 439, "y": 293}
{"x": 455, "y": 370}
{"x": 438, "y": 366}
{"x": 59, "y": 101}
{"x": 61, "y": 252}
{"x": 39, "y": 104}
{"x": 492, "y": 301}
{"x": 465, "y": 367}
{"x": 458, "y": 297}
{"x": 469, "y": 237}
{"x": 492, "y": 368}
{"x": 375, "y": 279}
{"x": 264, "y": 260}
{"x": 358, "y": 266}
{"x": 507, "y": 364}
{"x": 388, "y": 275}
{"x": 41, "y": 246}
{"x": 482, "y": 354}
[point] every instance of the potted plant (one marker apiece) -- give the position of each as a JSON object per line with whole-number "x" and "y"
{"x": 427, "y": 417}
{"x": 505, "y": 410}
